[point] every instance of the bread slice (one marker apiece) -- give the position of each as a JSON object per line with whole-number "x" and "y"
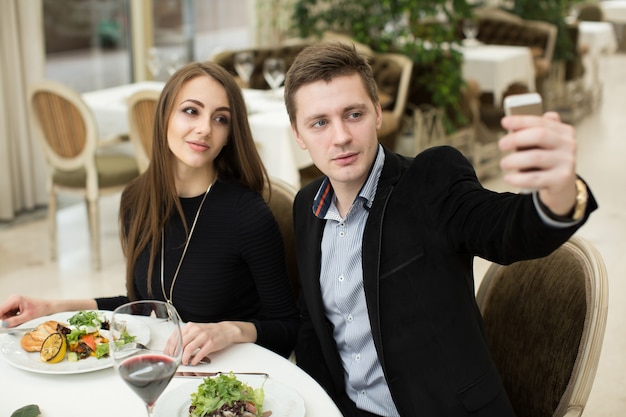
{"x": 32, "y": 341}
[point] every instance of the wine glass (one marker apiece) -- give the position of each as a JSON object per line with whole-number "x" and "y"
{"x": 174, "y": 62}
{"x": 274, "y": 73}
{"x": 154, "y": 62}
{"x": 146, "y": 369}
{"x": 244, "y": 65}
{"x": 470, "y": 29}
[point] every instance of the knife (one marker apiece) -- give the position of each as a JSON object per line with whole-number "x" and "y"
{"x": 12, "y": 330}
{"x": 195, "y": 374}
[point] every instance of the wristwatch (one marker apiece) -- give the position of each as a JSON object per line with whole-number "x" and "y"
{"x": 581, "y": 200}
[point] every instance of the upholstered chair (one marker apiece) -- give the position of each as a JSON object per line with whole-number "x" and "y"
{"x": 544, "y": 323}
{"x": 279, "y": 196}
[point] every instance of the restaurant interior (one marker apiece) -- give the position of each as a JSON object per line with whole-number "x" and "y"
{"x": 104, "y": 51}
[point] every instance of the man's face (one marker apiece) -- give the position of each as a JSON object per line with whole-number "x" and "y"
{"x": 337, "y": 123}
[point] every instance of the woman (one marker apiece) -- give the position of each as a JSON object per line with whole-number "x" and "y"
{"x": 196, "y": 225}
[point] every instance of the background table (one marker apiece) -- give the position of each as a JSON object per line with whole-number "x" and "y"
{"x": 270, "y": 126}
{"x": 614, "y": 10}
{"x": 267, "y": 117}
{"x": 600, "y": 39}
{"x": 104, "y": 394}
{"x": 496, "y": 67}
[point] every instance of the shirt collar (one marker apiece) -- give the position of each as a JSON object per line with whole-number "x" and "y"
{"x": 325, "y": 195}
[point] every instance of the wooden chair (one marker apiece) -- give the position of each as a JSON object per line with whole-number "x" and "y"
{"x": 141, "y": 108}
{"x": 590, "y": 12}
{"x": 544, "y": 322}
{"x": 393, "y": 76}
{"x": 67, "y": 134}
{"x": 280, "y": 201}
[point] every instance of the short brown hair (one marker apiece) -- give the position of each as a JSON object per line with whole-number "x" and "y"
{"x": 325, "y": 61}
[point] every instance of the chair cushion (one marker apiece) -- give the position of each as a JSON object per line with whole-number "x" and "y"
{"x": 534, "y": 318}
{"x": 113, "y": 170}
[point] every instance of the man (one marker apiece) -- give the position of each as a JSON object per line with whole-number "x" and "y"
{"x": 386, "y": 244}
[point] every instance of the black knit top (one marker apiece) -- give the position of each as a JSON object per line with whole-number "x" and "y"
{"x": 234, "y": 268}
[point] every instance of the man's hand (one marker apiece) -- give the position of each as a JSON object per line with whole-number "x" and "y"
{"x": 541, "y": 156}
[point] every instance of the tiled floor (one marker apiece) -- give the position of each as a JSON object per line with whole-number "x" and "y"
{"x": 25, "y": 266}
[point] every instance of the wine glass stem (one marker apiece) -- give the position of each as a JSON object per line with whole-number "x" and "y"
{"x": 150, "y": 409}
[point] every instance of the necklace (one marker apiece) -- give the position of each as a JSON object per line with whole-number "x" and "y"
{"x": 182, "y": 256}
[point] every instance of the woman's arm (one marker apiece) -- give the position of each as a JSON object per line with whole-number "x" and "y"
{"x": 18, "y": 309}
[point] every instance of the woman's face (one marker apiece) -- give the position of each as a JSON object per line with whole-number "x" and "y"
{"x": 199, "y": 124}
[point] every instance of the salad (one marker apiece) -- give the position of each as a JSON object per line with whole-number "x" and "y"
{"x": 87, "y": 336}
{"x": 225, "y": 395}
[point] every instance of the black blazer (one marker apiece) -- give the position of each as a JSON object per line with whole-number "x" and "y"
{"x": 429, "y": 219}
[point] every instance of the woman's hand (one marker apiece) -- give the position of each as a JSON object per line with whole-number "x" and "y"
{"x": 202, "y": 339}
{"x": 18, "y": 309}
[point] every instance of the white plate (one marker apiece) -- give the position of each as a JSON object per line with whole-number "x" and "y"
{"x": 30, "y": 361}
{"x": 280, "y": 399}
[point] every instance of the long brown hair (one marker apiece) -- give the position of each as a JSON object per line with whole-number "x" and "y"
{"x": 150, "y": 199}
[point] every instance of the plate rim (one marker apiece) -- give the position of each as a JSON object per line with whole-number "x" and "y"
{"x": 94, "y": 364}
{"x": 192, "y": 386}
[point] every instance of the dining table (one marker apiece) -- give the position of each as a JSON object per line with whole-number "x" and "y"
{"x": 600, "y": 40}
{"x": 614, "y": 10}
{"x": 82, "y": 388}
{"x": 496, "y": 67}
{"x": 598, "y": 37}
{"x": 267, "y": 117}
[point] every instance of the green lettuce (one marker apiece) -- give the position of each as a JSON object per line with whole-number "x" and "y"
{"x": 213, "y": 393}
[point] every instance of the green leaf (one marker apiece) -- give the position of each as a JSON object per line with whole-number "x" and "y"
{"x": 31, "y": 410}
{"x": 213, "y": 393}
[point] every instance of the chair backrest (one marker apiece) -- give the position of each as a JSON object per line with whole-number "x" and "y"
{"x": 257, "y": 81}
{"x": 544, "y": 322}
{"x": 66, "y": 126}
{"x": 280, "y": 201}
{"x": 393, "y": 76}
{"x": 497, "y": 26}
{"x": 141, "y": 111}
{"x": 590, "y": 12}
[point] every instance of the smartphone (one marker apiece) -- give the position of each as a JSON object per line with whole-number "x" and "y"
{"x": 520, "y": 104}
{"x": 523, "y": 104}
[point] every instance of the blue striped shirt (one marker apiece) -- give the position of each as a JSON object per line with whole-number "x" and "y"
{"x": 341, "y": 282}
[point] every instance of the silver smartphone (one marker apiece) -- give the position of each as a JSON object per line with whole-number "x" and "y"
{"x": 519, "y": 104}
{"x": 523, "y": 104}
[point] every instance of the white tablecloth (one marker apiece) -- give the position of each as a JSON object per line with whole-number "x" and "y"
{"x": 496, "y": 67}
{"x": 614, "y": 10}
{"x": 272, "y": 133}
{"x": 599, "y": 37}
{"x": 109, "y": 106}
{"x": 104, "y": 394}
{"x": 267, "y": 117}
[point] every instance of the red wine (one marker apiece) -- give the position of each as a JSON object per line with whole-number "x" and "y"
{"x": 148, "y": 375}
